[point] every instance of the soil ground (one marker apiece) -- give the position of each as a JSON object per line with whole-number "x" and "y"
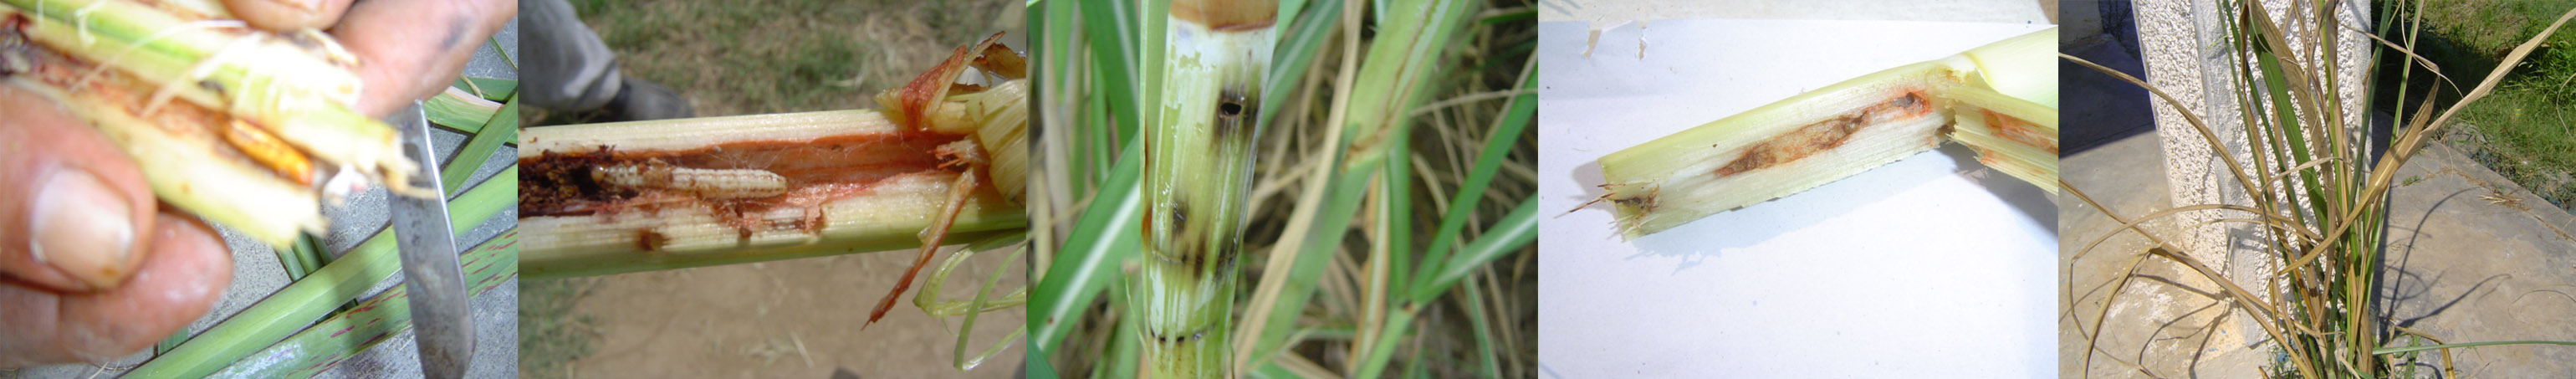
{"x": 784, "y": 319}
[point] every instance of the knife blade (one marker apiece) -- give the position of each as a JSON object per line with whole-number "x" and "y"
{"x": 431, "y": 274}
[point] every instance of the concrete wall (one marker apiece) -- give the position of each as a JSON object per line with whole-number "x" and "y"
{"x": 2183, "y": 45}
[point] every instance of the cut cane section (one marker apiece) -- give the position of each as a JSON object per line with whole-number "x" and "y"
{"x": 1998, "y": 99}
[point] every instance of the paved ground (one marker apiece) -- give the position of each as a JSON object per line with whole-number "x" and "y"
{"x": 2471, "y": 258}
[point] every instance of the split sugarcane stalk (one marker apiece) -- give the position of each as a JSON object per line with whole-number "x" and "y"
{"x": 1999, "y": 99}
{"x": 1198, "y": 168}
{"x": 941, "y": 159}
{"x": 734, "y": 190}
{"x": 2016, "y": 137}
{"x": 250, "y": 129}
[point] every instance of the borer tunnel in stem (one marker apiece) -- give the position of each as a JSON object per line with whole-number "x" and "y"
{"x": 1822, "y": 135}
{"x": 1838, "y": 131}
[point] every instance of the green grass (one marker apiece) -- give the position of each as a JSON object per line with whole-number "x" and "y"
{"x": 2497, "y": 26}
{"x": 2526, "y": 130}
{"x": 2529, "y": 139}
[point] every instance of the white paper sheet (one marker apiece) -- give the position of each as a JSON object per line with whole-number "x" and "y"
{"x": 1933, "y": 266}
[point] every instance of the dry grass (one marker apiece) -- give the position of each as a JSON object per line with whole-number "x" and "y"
{"x": 2328, "y": 267}
{"x": 1482, "y": 68}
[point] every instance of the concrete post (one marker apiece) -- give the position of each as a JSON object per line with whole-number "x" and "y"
{"x": 2183, "y": 44}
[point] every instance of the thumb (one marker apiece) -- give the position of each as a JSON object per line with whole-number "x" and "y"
{"x": 73, "y": 208}
{"x": 412, "y": 49}
{"x": 288, "y": 14}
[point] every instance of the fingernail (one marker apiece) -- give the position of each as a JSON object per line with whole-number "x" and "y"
{"x": 83, "y": 228}
{"x": 308, "y": 6}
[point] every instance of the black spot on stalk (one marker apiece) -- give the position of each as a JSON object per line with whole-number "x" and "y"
{"x": 649, "y": 240}
{"x": 1643, "y": 203}
{"x": 1193, "y": 261}
{"x": 1225, "y": 257}
{"x": 1236, "y": 109}
{"x": 1177, "y": 249}
{"x": 1188, "y": 256}
{"x": 1175, "y": 339}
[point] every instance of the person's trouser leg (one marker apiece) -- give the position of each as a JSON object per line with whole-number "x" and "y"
{"x": 568, "y": 68}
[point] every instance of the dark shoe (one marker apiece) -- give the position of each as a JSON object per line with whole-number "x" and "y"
{"x": 640, "y": 100}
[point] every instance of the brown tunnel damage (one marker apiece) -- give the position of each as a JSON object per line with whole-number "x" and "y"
{"x": 748, "y": 185}
{"x": 680, "y": 198}
{"x": 1824, "y": 135}
{"x": 2016, "y": 130}
{"x": 20, "y": 57}
{"x": 814, "y": 172}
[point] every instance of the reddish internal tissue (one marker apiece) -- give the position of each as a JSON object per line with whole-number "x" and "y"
{"x": 817, "y": 171}
{"x": 1824, "y": 135}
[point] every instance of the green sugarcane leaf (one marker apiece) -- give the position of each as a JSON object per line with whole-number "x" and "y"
{"x": 1295, "y": 54}
{"x": 1395, "y": 214}
{"x": 983, "y": 294}
{"x": 301, "y": 303}
{"x": 504, "y": 129}
{"x": 462, "y": 112}
{"x": 1322, "y": 239}
{"x": 1482, "y": 324}
{"x": 1110, "y": 27}
{"x": 492, "y": 89}
{"x": 1398, "y": 325}
{"x": 1498, "y": 146}
{"x": 1514, "y": 231}
{"x": 374, "y": 320}
{"x": 1105, "y": 236}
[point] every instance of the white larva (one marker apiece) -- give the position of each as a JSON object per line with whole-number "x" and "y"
{"x": 699, "y": 182}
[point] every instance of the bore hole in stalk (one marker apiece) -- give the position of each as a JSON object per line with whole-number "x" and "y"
{"x": 1176, "y": 339}
{"x": 649, "y": 240}
{"x": 1234, "y": 110}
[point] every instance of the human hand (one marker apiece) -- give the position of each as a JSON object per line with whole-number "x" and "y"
{"x": 407, "y": 49}
{"x": 90, "y": 270}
